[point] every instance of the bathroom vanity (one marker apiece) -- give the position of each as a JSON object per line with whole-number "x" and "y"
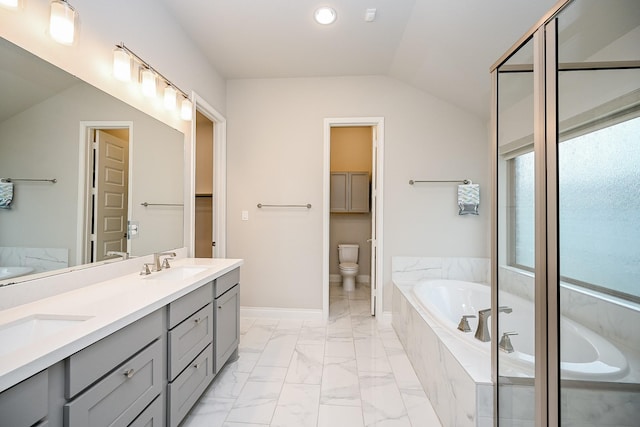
{"x": 131, "y": 351}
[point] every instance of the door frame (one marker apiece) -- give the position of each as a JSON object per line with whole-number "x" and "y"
{"x": 219, "y": 178}
{"x": 84, "y": 157}
{"x": 378, "y": 124}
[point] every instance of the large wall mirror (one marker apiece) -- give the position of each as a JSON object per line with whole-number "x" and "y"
{"x": 119, "y": 173}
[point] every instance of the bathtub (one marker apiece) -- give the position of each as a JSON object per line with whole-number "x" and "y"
{"x": 585, "y": 355}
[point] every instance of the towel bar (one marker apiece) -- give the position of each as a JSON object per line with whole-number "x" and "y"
{"x": 463, "y": 181}
{"x": 260, "y": 206}
{"x": 145, "y": 204}
{"x": 53, "y": 181}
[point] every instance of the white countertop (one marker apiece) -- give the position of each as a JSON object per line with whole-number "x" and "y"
{"x": 111, "y": 305}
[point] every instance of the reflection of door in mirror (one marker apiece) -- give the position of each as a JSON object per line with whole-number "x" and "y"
{"x": 109, "y": 184}
{"x": 204, "y": 239}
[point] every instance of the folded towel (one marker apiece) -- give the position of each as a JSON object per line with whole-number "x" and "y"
{"x": 468, "y": 199}
{"x": 6, "y": 194}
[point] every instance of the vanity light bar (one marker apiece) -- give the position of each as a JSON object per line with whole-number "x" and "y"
{"x": 119, "y": 65}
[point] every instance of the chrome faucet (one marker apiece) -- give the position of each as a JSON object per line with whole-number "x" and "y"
{"x": 156, "y": 260}
{"x": 482, "y": 333}
{"x": 124, "y": 255}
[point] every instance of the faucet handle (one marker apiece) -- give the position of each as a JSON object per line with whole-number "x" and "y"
{"x": 505, "y": 342}
{"x": 145, "y": 269}
{"x": 464, "y": 324}
{"x": 165, "y": 263}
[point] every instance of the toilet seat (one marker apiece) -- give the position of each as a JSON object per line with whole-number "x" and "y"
{"x": 348, "y": 266}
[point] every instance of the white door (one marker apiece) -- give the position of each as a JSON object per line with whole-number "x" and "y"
{"x": 374, "y": 193}
{"x": 111, "y": 172}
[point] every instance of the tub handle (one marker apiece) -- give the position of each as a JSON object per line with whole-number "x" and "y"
{"x": 505, "y": 342}
{"x": 464, "y": 324}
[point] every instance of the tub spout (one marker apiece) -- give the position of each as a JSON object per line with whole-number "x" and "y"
{"x": 482, "y": 332}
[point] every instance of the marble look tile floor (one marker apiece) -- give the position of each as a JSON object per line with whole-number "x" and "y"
{"x": 350, "y": 371}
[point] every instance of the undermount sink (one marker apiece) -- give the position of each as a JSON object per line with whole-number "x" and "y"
{"x": 9, "y": 272}
{"x": 32, "y": 329}
{"x": 176, "y": 273}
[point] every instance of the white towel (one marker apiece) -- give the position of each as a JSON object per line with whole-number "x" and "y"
{"x": 6, "y": 194}
{"x": 468, "y": 199}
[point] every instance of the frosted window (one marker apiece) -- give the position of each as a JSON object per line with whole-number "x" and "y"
{"x": 599, "y": 198}
{"x": 524, "y": 215}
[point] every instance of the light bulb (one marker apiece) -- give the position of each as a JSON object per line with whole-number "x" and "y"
{"x": 169, "y": 98}
{"x": 325, "y": 15}
{"x": 121, "y": 64}
{"x": 186, "y": 110}
{"x": 62, "y": 22}
{"x": 149, "y": 83}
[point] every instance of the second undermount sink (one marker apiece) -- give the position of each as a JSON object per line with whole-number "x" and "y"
{"x": 176, "y": 273}
{"x": 31, "y": 329}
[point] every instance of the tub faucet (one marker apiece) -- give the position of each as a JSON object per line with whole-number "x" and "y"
{"x": 482, "y": 333}
{"x": 156, "y": 260}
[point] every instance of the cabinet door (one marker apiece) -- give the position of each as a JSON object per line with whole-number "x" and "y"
{"x": 227, "y": 324}
{"x": 25, "y": 403}
{"x": 339, "y": 194}
{"x": 359, "y": 192}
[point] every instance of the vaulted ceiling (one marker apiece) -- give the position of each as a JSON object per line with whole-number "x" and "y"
{"x": 444, "y": 47}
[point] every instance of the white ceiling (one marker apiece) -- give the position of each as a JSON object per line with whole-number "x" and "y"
{"x": 444, "y": 47}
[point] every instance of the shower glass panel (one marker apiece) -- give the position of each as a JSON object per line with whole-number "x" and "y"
{"x": 514, "y": 343}
{"x": 598, "y": 151}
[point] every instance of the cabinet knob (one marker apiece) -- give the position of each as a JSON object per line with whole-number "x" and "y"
{"x": 129, "y": 373}
{"x": 198, "y": 320}
{"x": 197, "y": 366}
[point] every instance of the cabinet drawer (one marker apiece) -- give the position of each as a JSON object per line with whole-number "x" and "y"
{"x": 117, "y": 399}
{"x": 227, "y": 324}
{"x": 188, "y": 339}
{"x": 150, "y": 417}
{"x": 92, "y": 363}
{"x": 184, "y": 307}
{"x": 185, "y": 391}
{"x": 225, "y": 282}
{"x": 25, "y": 403}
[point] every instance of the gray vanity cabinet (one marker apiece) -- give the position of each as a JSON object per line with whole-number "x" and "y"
{"x": 129, "y": 367}
{"x": 226, "y": 316}
{"x": 26, "y": 403}
{"x": 190, "y": 358}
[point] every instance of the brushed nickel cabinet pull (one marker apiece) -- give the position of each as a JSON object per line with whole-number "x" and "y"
{"x": 129, "y": 373}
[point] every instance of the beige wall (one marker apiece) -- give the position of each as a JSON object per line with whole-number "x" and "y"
{"x": 351, "y": 152}
{"x": 275, "y": 155}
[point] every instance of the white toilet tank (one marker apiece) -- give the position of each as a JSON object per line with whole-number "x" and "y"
{"x": 348, "y": 253}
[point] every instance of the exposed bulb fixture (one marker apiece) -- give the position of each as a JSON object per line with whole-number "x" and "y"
{"x": 170, "y": 98}
{"x": 149, "y": 83}
{"x": 10, "y": 4}
{"x": 186, "y": 110}
{"x": 121, "y": 64}
{"x": 62, "y": 22}
{"x": 325, "y": 15}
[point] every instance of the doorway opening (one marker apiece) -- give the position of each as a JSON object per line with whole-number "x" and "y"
{"x": 106, "y": 188}
{"x": 353, "y": 160}
{"x": 205, "y": 231}
{"x": 204, "y": 238}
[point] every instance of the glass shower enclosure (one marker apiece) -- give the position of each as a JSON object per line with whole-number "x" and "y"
{"x": 566, "y": 243}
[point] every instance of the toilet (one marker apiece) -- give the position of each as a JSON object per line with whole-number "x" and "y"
{"x": 348, "y": 258}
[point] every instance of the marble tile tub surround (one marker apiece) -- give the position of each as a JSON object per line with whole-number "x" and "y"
{"x": 455, "y": 376}
{"x": 40, "y": 259}
{"x": 413, "y": 269}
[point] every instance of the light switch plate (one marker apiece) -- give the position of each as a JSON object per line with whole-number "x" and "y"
{"x": 245, "y": 215}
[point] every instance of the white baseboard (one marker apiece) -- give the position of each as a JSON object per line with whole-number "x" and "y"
{"x": 281, "y": 313}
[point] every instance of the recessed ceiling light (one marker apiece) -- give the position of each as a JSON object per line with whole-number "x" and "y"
{"x": 325, "y": 15}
